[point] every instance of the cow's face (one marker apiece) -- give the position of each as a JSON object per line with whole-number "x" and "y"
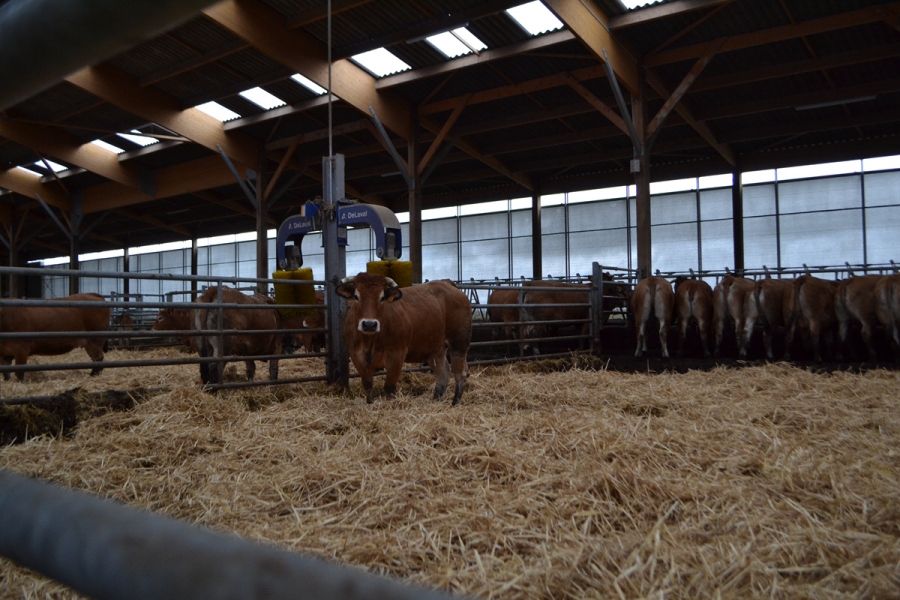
{"x": 368, "y": 295}
{"x": 163, "y": 320}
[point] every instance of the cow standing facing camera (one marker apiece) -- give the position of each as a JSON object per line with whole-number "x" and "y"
{"x": 386, "y": 327}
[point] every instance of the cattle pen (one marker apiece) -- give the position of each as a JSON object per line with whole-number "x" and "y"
{"x": 558, "y": 476}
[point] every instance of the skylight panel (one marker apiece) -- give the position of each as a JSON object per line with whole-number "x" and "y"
{"x": 29, "y": 171}
{"x": 448, "y": 44}
{"x": 108, "y": 147}
{"x": 55, "y": 166}
{"x": 534, "y": 17}
{"x": 136, "y": 137}
{"x": 309, "y": 84}
{"x": 217, "y": 111}
{"x": 631, "y": 4}
{"x": 469, "y": 38}
{"x": 262, "y": 98}
{"x": 380, "y": 62}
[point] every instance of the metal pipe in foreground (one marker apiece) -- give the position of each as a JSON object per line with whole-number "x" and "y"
{"x": 111, "y": 551}
{"x": 43, "y": 41}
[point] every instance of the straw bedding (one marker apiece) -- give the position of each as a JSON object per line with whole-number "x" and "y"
{"x": 545, "y": 483}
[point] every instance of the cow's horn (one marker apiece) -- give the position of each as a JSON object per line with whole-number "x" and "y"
{"x": 391, "y": 282}
{"x": 351, "y": 279}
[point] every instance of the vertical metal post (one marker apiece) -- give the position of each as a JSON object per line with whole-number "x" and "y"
{"x": 126, "y": 281}
{"x": 537, "y": 248}
{"x": 75, "y": 241}
{"x": 415, "y": 202}
{"x": 737, "y": 219}
{"x": 262, "y": 220}
{"x": 195, "y": 256}
{"x": 337, "y": 364}
{"x": 220, "y": 320}
{"x": 596, "y": 307}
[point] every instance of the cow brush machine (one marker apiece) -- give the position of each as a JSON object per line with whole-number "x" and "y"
{"x": 388, "y": 248}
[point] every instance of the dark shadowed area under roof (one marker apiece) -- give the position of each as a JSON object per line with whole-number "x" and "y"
{"x": 788, "y": 82}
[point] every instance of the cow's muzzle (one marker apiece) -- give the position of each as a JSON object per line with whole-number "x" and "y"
{"x": 369, "y": 325}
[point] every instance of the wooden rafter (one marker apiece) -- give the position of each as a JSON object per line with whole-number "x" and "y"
{"x": 442, "y": 134}
{"x": 863, "y": 16}
{"x": 263, "y": 27}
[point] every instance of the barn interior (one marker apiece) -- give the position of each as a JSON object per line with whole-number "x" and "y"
{"x": 707, "y": 86}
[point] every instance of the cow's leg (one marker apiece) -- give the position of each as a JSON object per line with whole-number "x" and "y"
{"x": 867, "y": 332}
{"x": 5, "y": 361}
{"x": 460, "y": 370}
{"x": 273, "y": 369}
{"x": 21, "y": 359}
{"x": 703, "y": 330}
{"x": 664, "y": 337}
{"x": 441, "y": 369}
{"x": 744, "y": 341}
{"x": 394, "y": 367}
{"x": 251, "y": 369}
{"x": 815, "y": 335}
{"x": 641, "y": 337}
{"x": 682, "y": 333}
{"x": 94, "y": 348}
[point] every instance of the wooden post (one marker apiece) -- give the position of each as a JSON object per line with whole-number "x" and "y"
{"x": 642, "y": 183}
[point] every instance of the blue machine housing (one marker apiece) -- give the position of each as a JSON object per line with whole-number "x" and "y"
{"x": 382, "y": 221}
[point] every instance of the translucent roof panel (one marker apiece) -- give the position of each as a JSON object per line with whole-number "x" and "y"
{"x": 456, "y": 43}
{"x": 136, "y": 137}
{"x": 309, "y": 84}
{"x": 53, "y": 165}
{"x": 262, "y": 98}
{"x": 217, "y": 111}
{"x": 380, "y": 62}
{"x": 107, "y": 146}
{"x": 630, "y": 4}
{"x": 534, "y": 17}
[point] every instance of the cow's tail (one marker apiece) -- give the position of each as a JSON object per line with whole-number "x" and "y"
{"x": 895, "y": 326}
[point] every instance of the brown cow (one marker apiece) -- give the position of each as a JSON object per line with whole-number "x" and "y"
{"x": 809, "y": 306}
{"x": 176, "y": 319}
{"x": 32, "y": 319}
{"x": 504, "y": 315}
{"x": 854, "y": 299}
{"x": 614, "y": 296}
{"x": 652, "y": 296}
{"x": 887, "y": 309}
{"x": 765, "y": 305}
{"x": 313, "y": 342}
{"x": 206, "y": 319}
{"x": 123, "y": 322}
{"x": 386, "y": 327}
{"x": 694, "y": 300}
{"x": 729, "y": 299}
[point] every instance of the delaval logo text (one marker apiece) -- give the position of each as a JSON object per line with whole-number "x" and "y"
{"x": 362, "y": 214}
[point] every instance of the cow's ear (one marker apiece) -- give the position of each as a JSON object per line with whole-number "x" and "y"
{"x": 347, "y": 287}
{"x": 392, "y": 294}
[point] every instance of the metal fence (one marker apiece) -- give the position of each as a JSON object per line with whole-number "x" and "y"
{"x": 146, "y": 310}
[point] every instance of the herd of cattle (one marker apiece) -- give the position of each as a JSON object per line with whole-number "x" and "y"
{"x": 816, "y": 308}
{"x": 386, "y": 327}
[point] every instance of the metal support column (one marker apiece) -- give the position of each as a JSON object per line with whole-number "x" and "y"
{"x": 737, "y": 220}
{"x": 75, "y": 241}
{"x": 195, "y": 255}
{"x": 415, "y": 203}
{"x": 537, "y": 248}
{"x": 337, "y": 363}
{"x": 262, "y": 221}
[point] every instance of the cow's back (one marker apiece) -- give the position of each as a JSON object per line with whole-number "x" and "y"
{"x": 35, "y": 319}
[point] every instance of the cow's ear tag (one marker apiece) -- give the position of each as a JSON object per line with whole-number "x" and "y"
{"x": 392, "y": 294}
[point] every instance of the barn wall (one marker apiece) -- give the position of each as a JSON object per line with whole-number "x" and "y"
{"x": 821, "y": 221}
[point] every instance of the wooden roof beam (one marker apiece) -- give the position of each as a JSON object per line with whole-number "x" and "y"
{"x": 320, "y": 13}
{"x": 264, "y": 28}
{"x": 470, "y": 60}
{"x": 870, "y": 14}
{"x": 591, "y": 25}
{"x": 120, "y": 89}
{"x": 660, "y": 11}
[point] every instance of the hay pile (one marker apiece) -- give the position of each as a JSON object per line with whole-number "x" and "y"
{"x": 765, "y": 481}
